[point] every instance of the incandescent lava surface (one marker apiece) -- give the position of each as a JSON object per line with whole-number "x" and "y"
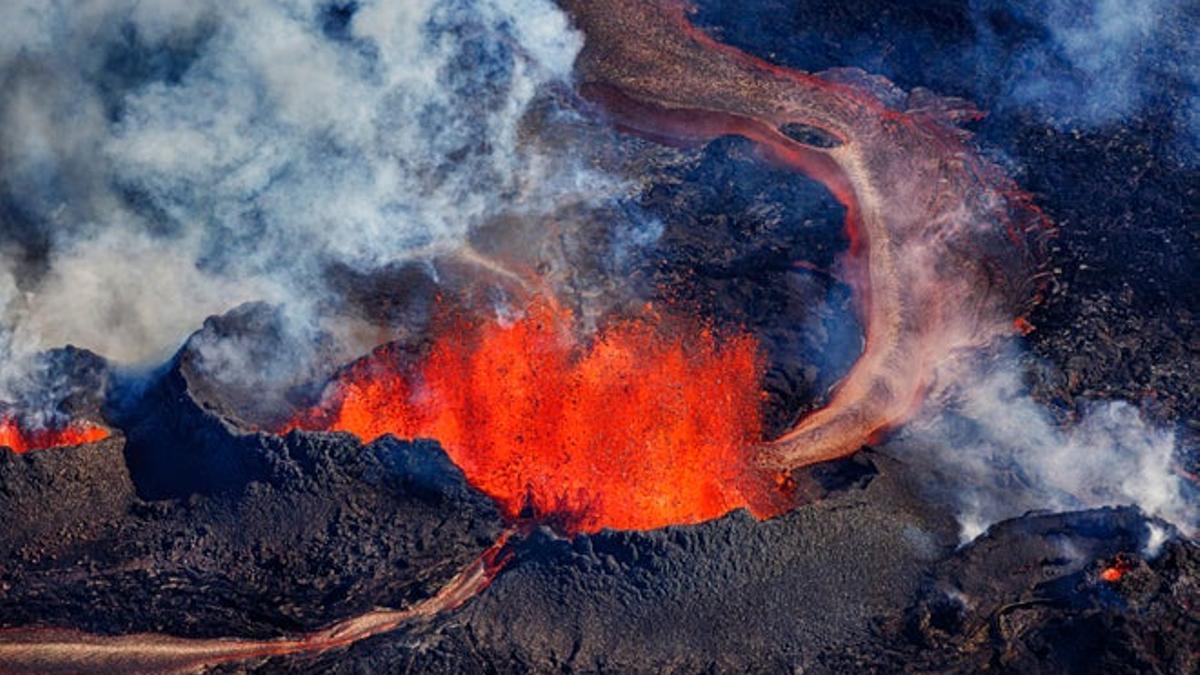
{"x": 21, "y": 439}
{"x": 650, "y": 422}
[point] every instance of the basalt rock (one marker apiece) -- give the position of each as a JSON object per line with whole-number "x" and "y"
{"x": 212, "y": 529}
{"x": 59, "y": 499}
{"x": 867, "y": 580}
{"x": 1062, "y": 593}
{"x": 352, "y": 528}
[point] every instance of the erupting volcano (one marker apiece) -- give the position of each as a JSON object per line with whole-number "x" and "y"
{"x": 944, "y": 248}
{"x": 650, "y": 422}
{"x": 21, "y": 439}
{"x": 594, "y": 336}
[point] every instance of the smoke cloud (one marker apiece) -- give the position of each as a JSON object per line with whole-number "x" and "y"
{"x": 164, "y": 160}
{"x": 996, "y": 453}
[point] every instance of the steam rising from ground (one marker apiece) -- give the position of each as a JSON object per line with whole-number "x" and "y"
{"x": 996, "y": 453}
{"x": 1093, "y": 62}
{"x": 163, "y": 161}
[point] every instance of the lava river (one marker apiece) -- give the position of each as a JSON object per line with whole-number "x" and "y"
{"x": 945, "y": 251}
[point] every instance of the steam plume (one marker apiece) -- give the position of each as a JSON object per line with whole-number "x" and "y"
{"x": 1093, "y": 62}
{"x": 162, "y": 161}
{"x": 996, "y": 453}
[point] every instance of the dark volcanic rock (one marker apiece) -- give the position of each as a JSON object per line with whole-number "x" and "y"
{"x": 727, "y": 595}
{"x": 56, "y": 500}
{"x": 189, "y": 426}
{"x": 59, "y": 386}
{"x": 734, "y": 229}
{"x": 202, "y": 527}
{"x": 1028, "y": 597}
{"x": 53, "y": 499}
{"x": 863, "y": 582}
{"x": 345, "y": 529}
{"x": 253, "y": 367}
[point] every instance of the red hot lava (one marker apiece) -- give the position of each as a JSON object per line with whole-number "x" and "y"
{"x": 652, "y": 422}
{"x": 944, "y": 248}
{"x": 639, "y": 428}
{"x": 1122, "y": 565}
{"x": 21, "y": 440}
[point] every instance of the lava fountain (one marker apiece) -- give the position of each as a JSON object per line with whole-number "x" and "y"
{"x": 639, "y": 429}
{"x": 650, "y": 422}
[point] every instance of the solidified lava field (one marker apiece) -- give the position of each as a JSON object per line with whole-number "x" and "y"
{"x": 609, "y": 336}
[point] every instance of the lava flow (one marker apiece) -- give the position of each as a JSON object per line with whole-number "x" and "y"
{"x": 640, "y": 429}
{"x": 20, "y": 439}
{"x": 50, "y": 650}
{"x": 650, "y": 423}
{"x": 945, "y": 250}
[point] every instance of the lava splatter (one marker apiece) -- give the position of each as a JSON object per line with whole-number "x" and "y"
{"x": 651, "y": 422}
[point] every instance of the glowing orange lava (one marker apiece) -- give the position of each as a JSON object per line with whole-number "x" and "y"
{"x": 650, "y": 423}
{"x": 1122, "y": 565}
{"x": 21, "y": 440}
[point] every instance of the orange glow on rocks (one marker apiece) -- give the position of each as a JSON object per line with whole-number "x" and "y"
{"x": 1122, "y": 565}
{"x": 651, "y": 422}
{"x": 21, "y": 440}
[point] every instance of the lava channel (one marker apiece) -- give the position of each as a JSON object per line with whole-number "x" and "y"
{"x": 51, "y": 650}
{"x": 651, "y": 422}
{"x": 945, "y": 252}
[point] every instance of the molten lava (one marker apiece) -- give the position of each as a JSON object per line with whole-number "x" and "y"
{"x": 650, "y": 423}
{"x": 1121, "y": 566}
{"x": 945, "y": 250}
{"x": 20, "y": 440}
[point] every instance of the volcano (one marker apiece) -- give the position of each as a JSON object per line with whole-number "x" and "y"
{"x": 749, "y": 409}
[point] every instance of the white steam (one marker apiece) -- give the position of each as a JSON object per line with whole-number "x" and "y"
{"x": 163, "y": 160}
{"x": 1095, "y": 62}
{"x": 996, "y": 453}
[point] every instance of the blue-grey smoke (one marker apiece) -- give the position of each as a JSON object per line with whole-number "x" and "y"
{"x": 163, "y": 160}
{"x": 1090, "y": 63}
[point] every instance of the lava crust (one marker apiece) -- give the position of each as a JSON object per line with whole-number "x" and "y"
{"x": 945, "y": 250}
